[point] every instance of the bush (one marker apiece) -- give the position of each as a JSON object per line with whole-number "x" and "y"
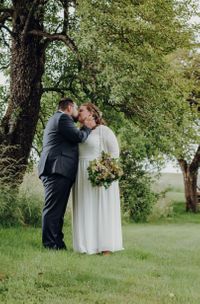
{"x": 137, "y": 197}
{"x": 19, "y": 208}
{"x": 8, "y": 207}
{"x": 30, "y": 209}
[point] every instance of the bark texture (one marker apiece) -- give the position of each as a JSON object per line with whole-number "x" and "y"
{"x": 190, "y": 175}
{"x": 27, "y": 67}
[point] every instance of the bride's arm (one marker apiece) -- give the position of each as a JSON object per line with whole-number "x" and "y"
{"x": 110, "y": 142}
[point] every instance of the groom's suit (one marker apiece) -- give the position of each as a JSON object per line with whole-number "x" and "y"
{"x": 57, "y": 170}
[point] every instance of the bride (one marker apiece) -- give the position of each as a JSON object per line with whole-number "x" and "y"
{"x": 96, "y": 210}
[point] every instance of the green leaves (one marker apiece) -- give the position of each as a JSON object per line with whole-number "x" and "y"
{"x": 130, "y": 41}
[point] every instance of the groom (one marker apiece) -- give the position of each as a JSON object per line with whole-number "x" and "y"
{"x": 57, "y": 169}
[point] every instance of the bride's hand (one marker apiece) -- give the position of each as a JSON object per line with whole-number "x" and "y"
{"x": 90, "y": 122}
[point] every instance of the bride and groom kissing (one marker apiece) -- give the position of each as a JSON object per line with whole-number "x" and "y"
{"x": 67, "y": 151}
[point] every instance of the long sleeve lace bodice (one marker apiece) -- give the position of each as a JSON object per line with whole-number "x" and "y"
{"x": 110, "y": 143}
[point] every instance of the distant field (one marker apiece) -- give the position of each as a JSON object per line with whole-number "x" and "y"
{"x": 173, "y": 182}
{"x": 167, "y": 180}
{"x": 170, "y": 180}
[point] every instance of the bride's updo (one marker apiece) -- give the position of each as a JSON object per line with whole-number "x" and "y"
{"x": 96, "y": 113}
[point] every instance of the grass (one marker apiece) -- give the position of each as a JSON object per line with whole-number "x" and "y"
{"x": 177, "y": 215}
{"x": 160, "y": 264}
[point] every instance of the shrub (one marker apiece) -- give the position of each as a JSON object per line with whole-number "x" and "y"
{"x": 19, "y": 208}
{"x": 29, "y": 209}
{"x": 137, "y": 197}
{"x": 8, "y": 207}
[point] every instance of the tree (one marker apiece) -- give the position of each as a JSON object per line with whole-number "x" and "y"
{"x": 187, "y": 148}
{"x": 143, "y": 83}
{"x": 175, "y": 131}
{"x": 24, "y": 22}
{"x": 114, "y": 55}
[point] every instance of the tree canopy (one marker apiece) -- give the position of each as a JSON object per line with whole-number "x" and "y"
{"x": 118, "y": 54}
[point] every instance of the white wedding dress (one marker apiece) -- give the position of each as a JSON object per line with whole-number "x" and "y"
{"x": 96, "y": 210}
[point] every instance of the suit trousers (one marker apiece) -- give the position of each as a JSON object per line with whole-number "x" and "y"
{"x": 57, "y": 191}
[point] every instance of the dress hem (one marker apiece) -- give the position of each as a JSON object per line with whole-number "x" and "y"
{"x": 98, "y": 251}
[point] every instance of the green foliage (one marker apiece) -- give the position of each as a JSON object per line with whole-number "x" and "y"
{"x": 30, "y": 209}
{"x": 8, "y": 207}
{"x": 137, "y": 197}
{"x": 121, "y": 65}
{"x": 130, "y": 42}
{"x": 185, "y": 65}
{"x": 121, "y": 52}
{"x": 19, "y": 208}
{"x": 140, "y": 157}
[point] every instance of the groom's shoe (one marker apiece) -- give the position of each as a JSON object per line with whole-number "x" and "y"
{"x": 62, "y": 248}
{"x": 56, "y": 247}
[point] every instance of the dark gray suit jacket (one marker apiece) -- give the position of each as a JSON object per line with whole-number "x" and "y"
{"x": 60, "y": 146}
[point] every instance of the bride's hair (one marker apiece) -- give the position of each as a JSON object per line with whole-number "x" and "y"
{"x": 96, "y": 113}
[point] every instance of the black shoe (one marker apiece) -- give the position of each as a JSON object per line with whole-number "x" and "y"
{"x": 56, "y": 247}
{"x": 62, "y": 248}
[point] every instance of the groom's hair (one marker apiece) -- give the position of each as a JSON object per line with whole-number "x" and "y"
{"x": 64, "y": 102}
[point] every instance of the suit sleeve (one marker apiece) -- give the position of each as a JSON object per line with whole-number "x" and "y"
{"x": 70, "y": 132}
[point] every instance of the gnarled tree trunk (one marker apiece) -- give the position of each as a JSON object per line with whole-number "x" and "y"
{"x": 27, "y": 67}
{"x": 190, "y": 174}
{"x": 29, "y": 41}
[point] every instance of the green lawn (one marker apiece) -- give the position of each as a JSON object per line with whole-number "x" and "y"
{"x": 160, "y": 264}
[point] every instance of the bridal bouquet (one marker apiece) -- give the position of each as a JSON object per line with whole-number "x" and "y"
{"x": 104, "y": 170}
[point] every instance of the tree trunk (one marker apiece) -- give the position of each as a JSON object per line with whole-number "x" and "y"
{"x": 27, "y": 67}
{"x": 190, "y": 185}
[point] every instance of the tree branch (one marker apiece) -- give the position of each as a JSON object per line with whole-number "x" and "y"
{"x": 4, "y": 67}
{"x": 42, "y": 121}
{"x": 65, "y": 4}
{"x": 7, "y": 28}
{"x": 4, "y": 39}
{"x": 37, "y": 151}
{"x": 196, "y": 160}
{"x": 56, "y": 37}
{"x": 6, "y": 10}
{"x": 25, "y": 30}
{"x": 4, "y": 17}
{"x": 54, "y": 89}
{"x": 183, "y": 164}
